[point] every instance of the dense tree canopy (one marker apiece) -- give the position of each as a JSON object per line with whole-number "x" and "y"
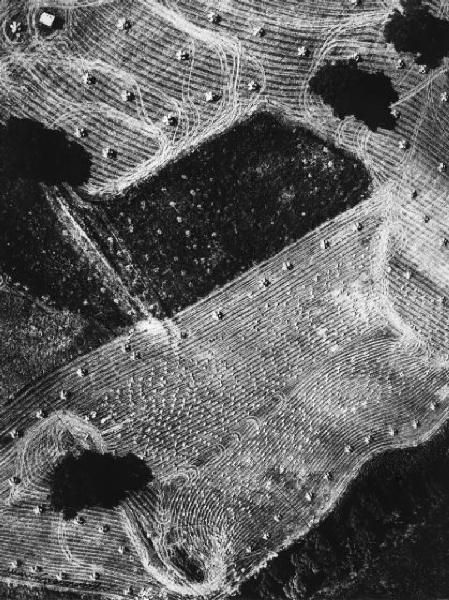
{"x": 352, "y": 91}
{"x": 29, "y": 151}
{"x": 416, "y": 30}
{"x": 94, "y": 479}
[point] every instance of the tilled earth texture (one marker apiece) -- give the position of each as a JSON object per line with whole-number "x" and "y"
{"x": 254, "y": 404}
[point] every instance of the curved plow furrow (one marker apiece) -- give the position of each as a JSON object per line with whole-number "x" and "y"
{"x": 259, "y": 418}
{"x": 258, "y": 405}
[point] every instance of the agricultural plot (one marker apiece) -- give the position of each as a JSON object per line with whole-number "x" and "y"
{"x": 36, "y": 338}
{"x": 258, "y": 405}
{"x": 387, "y": 536}
{"x": 231, "y": 204}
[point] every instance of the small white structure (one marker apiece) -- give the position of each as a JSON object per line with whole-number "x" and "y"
{"x": 123, "y": 24}
{"x": 400, "y": 64}
{"x": 303, "y": 52}
{"x": 324, "y": 244}
{"x": 404, "y": 145}
{"x": 444, "y": 97}
{"x": 211, "y": 97}
{"x": 170, "y": 119}
{"x": 47, "y": 19}
{"x": 424, "y": 69}
{"x": 127, "y": 96}
{"x": 442, "y": 167}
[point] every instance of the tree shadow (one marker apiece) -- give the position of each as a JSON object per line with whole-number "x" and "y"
{"x": 416, "y": 30}
{"x": 28, "y": 150}
{"x": 352, "y": 91}
{"x": 92, "y": 479}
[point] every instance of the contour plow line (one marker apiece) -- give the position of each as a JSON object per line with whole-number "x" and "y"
{"x": 253, "y": 423}
{"x": 256, "y": 407}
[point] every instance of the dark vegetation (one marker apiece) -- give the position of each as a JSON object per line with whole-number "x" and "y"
{"x": 30, "y": 151}
{"x": 34, "y": 252}
{"x": 387, "y": 539}
{"x": 416, "y": 30}
{"x": 231, "y": 203}
{"x": 22, "y": 592}
{"x": 352, "y": 91}
{"x": 92, "y": 479}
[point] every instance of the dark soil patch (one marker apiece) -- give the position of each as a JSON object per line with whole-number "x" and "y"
{"x": 92, "y": 479}
{"x": 388, "y": 538}
{"x": 416, "y": 30}
{"x": 230, "y": 204}
{"x": 352, "y": 91}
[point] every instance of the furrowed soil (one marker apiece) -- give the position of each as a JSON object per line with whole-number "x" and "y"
{"x": 388, "y": 537}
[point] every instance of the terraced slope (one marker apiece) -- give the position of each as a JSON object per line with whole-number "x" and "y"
{"x": 257, "y": 406}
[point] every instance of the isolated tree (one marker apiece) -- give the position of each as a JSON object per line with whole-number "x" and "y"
{"x": 30, "y": 151}
{"x": 352, "y": 91}
{"x": 93, "y": 479}
{"x": 416, "y": 30}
